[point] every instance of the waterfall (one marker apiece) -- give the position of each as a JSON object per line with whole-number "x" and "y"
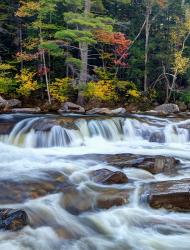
{"x": 50, "y": 132}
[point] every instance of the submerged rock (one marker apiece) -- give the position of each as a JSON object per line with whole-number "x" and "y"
{"x": 19, "y": 191}
{"x": 172, "y": 195}
{"x": 106, "y": 176}
{"x": 78, "y": 201}
{"x": 69, "y": 107}
{"x": 12, "y": 219}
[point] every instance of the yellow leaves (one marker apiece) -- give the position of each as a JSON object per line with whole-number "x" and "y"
{"x": 27, "y": 9}
{"x": 103, "y": 90}
{"x": 5, "y": 66}
{"x": 27, "y": 84}
{"x": 181, "y": 63}
{"x": 61, "y": 88}
{"x": 134, "y": 93}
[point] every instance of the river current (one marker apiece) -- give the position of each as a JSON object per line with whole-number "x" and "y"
{"x": 37, "y": 145}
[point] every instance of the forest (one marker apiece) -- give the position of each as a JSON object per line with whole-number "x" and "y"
{"x": 95, "y": 52}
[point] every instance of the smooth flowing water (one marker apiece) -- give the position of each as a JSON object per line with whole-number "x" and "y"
{"x": 38, "y": 145}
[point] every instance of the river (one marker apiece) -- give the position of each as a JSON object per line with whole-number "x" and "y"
{"x": 34, "y": 148}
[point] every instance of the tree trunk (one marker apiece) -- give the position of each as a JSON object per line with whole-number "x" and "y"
{"x": 84, "y": 50}
{"x": 147, "y": 33}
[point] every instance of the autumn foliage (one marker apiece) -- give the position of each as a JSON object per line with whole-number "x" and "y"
{"x": 119, "y": 42}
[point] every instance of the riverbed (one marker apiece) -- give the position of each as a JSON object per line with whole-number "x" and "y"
{"x": 46, "y": 169}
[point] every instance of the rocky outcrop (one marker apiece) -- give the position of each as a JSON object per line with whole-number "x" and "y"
{"x": 106, "y": 176}
{"x": 69, "y": 107}
{"x": 172, "y": 195}
{"x": 27, "y": 110}
{"x": 12, "y": 219}
{"x": 106, "y": 111}
{"x": 167, "y": 108}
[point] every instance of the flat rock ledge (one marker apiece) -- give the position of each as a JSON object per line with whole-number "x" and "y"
{"x": 172, "y": 195}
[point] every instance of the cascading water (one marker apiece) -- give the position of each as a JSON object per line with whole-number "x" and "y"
{"x": 26, "y": 132}
{"x": 68, "y": 149}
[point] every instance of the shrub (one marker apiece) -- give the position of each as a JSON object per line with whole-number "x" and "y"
{"x": 185, "y": 96}
{"x": 103, "y": 90}
{"x": 26, "y": 82}
{"x": 62, "y": 89}
{"x": 7, "y": 85}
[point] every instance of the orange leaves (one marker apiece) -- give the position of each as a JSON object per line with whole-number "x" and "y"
{"x": 27, "y": 9}
{"x": 26, "y": 57}
{"x": 120, "y": 43}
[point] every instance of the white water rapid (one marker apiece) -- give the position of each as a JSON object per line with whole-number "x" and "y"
{"x": 34, "y": 147}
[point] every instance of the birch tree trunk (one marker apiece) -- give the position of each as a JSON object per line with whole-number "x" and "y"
{"x": 147, "y": 33}
{"x": 84, "y": 49}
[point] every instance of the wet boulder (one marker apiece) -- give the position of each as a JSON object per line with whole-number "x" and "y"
{"x": 157, "y": 164}
{"x": 12, "y": 219}
{"x": 113, "y": 198}
{"x": 152, "y": 164}
{"x": 167, "y": 108}
{"x": 106, "y": 176}
{"x": 172, "y": 195}
{"x": 69, "y": 107}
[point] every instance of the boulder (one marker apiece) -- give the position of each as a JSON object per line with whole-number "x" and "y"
{"x": 113, "y": 198}
{"x": 3, "y": 103}
{"x": 167, "y": 108}
{"x": 172, "y": 195}
{"x": 69, "y": 107}
{"x": 12, "y": 219}
{"x": 154, "y": 164}
{"x": 99, "y": 111}
{"x": 119, "y": 111}
{"x": 106, "y": 176}
{"x": 27, "y": 110}
{"x": 13, "y": 103}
